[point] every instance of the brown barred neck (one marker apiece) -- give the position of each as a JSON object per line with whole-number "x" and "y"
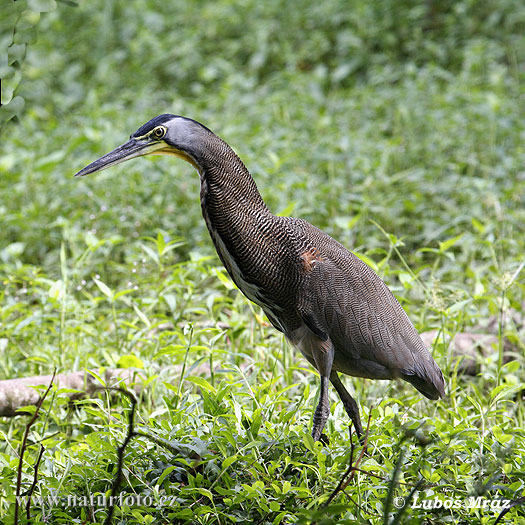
{"x": 224, "y": 177}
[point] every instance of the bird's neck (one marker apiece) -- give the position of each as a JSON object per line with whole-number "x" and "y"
{"x": 233, "y": 209}
{"x": 227, "y": 188}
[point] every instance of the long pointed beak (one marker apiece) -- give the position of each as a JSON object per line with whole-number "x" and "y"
{"x": 131, "y": 149}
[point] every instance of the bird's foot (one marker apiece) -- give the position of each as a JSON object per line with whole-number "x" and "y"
{"x": 323, "y": 438}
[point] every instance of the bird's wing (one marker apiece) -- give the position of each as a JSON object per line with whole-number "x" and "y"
{"x": 345, "y": 300}
{"x": 353, "y": 307}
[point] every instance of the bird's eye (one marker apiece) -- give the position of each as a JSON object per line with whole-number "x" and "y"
{"x": 159, "y": 132}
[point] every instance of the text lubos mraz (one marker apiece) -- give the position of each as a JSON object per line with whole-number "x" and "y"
{"x": 472, "y": 502}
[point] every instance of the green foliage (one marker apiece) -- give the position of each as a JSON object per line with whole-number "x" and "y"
{"x": 17, "y": 31}
{"x": 395, "y": 126}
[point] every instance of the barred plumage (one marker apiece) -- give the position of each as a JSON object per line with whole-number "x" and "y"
{"x": 326, "y": 301}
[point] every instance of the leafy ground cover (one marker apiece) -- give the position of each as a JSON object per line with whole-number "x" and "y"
{"x": 397, "y": 128}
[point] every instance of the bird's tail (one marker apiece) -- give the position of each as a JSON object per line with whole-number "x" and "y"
{"x": 428, "y": 379}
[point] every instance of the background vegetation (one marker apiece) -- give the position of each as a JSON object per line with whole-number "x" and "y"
{"x": 396, "y": 126}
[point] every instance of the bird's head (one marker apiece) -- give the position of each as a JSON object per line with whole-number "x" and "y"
{"x": 162, "y": 135}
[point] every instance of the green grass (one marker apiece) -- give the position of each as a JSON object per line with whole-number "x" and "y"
{"x": 397, "y": 131}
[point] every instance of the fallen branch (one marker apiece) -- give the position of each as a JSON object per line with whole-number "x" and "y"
{"x": 469, "y": 347}
{"x": 16, "y": 393}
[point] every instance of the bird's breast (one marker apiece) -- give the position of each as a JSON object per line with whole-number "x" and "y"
{"x": 252, "y": 286}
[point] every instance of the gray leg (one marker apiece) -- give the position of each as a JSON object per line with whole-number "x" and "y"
{"x": 323, "y": 356}
{"x": 322, "y": 411}
{"x": 348, "y": 402}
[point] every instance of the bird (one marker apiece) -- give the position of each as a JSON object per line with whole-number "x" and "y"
{"x": 325, "y": 300}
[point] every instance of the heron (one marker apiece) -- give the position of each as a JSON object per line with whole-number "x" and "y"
{"x": 325, "y": 300}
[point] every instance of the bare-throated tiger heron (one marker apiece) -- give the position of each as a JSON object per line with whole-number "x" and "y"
{"x": 325, "y": 300}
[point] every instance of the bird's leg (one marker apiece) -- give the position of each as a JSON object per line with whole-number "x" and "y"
{"x": 323, "y": 357}
{"x": 322, "y": 411}
{"x": 349, "y": 403}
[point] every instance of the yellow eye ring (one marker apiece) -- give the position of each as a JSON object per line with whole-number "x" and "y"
{"x": 159, "y": 132}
